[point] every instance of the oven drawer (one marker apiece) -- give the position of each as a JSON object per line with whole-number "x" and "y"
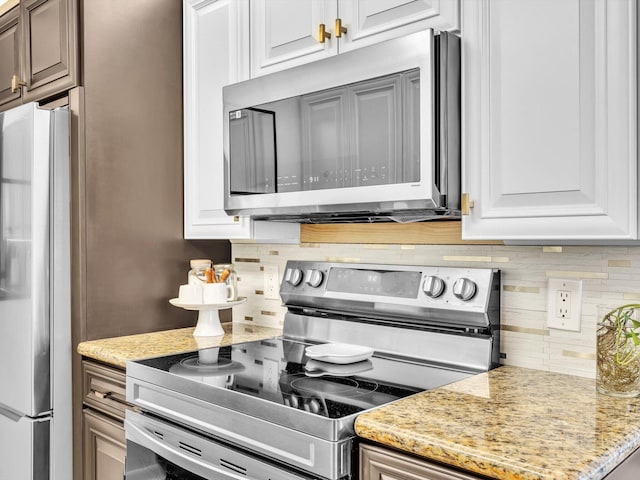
{"x": 104, "y": 388}
{"x": 156, "y": 448}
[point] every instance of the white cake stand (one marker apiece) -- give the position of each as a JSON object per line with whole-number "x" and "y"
{"x": 208, "y": 317}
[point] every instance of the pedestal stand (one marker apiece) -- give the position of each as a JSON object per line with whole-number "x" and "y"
{"x": 208, "y": 317}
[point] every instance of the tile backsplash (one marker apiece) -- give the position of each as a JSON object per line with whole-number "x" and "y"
{"x": 610, "y": 275}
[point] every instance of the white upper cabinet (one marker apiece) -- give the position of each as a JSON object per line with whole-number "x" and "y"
{"x": 286, "y": 33}
{"x": 216, "y": 53}
{"x": 550, "y": 119}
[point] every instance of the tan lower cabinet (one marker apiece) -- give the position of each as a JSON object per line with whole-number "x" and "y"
{"x": 104, "y": 406}
{"x": 105, "y": 447}
{"x": 378, "y": 463}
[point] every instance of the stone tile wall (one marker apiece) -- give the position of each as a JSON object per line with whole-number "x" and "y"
{"x": 610, "y": 275}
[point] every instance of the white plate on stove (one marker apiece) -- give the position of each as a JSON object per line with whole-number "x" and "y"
{"x": 341, "y": 353}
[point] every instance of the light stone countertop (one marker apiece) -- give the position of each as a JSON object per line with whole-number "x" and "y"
{"x": 117, "y": 350}
{"x": 512, "y": 423}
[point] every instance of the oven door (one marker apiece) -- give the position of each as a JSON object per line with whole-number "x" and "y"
{"x": 159, "y": 450}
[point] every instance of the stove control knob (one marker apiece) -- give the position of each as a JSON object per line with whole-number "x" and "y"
{"x": 433, "y": 286}
{"x": 293, "y": 276}
{"x": 313, "y": 278}
{"x": 464, "y": 289}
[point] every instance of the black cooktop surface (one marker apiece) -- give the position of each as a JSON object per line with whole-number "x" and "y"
{"x": 278, "y": 371}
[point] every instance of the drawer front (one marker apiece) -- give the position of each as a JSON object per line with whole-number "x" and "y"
{"x": 103, "y": 389}
{"x": 378, "y": 463}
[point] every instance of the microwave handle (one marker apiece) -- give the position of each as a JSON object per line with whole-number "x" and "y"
{"x": 448, "y": 83}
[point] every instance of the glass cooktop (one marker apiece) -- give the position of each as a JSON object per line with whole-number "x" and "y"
{"x": 278, "y": 371}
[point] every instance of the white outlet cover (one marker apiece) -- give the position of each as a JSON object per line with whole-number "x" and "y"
{"x": 572, "y": 322}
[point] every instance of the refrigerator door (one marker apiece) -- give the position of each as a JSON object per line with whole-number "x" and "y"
{"x": 24, "y": 262}
{"x": 24, "y": 444}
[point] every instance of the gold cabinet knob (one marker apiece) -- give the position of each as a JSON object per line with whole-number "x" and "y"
{"x": 466, "y": 204}
{"x": 322, "y": 33}
{"x": 340, "y": 30}
{"x": 16, "y": 83}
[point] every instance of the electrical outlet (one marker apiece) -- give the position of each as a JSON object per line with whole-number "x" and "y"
{"x": 563, "y": 304}
{"x": 564, "y": 301}
{"x": 271, "y": 282}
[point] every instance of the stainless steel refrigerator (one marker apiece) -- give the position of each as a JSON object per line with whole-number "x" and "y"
{"x": 35, "y": 327}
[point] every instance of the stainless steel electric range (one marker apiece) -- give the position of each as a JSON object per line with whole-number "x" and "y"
{"x": 266, "y": 410}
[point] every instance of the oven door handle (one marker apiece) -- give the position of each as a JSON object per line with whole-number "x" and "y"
{"x": 197, "y": 454}
{"x": 143, "y": 438}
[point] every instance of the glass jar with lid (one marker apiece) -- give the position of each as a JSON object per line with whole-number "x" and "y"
{"x": 225, "y": 273}
{"x": 197, "y": 274}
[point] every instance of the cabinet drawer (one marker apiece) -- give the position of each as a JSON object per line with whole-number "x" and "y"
{"x": 103, "y": 389}
{"x": 378, "y": 463}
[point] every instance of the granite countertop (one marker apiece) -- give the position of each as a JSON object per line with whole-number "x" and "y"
{"x": 116, "y": 351}
{"x": 512, "y": 423}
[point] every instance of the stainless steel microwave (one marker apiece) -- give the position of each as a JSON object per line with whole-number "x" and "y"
{"x": 365, "y": 135}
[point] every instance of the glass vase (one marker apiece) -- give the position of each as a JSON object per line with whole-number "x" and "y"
{"x": 618, "y": 351}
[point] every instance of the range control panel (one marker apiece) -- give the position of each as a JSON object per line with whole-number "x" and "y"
{"x": 399, "y": 289}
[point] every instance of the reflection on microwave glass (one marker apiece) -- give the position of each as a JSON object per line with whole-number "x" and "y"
{"x": 361, "y": 134}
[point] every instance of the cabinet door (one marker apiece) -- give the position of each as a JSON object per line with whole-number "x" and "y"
{"x": 216, "y": 53}
{"x": 50, "y": 35}
{"x": 381, "y": 464}
{"x": 370, "y": 22}
{"x": 105, "y": 447}
{"x": 285, "y": 33}
{"x": 549, "y": 94}
{"x": 9, "y": 54}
